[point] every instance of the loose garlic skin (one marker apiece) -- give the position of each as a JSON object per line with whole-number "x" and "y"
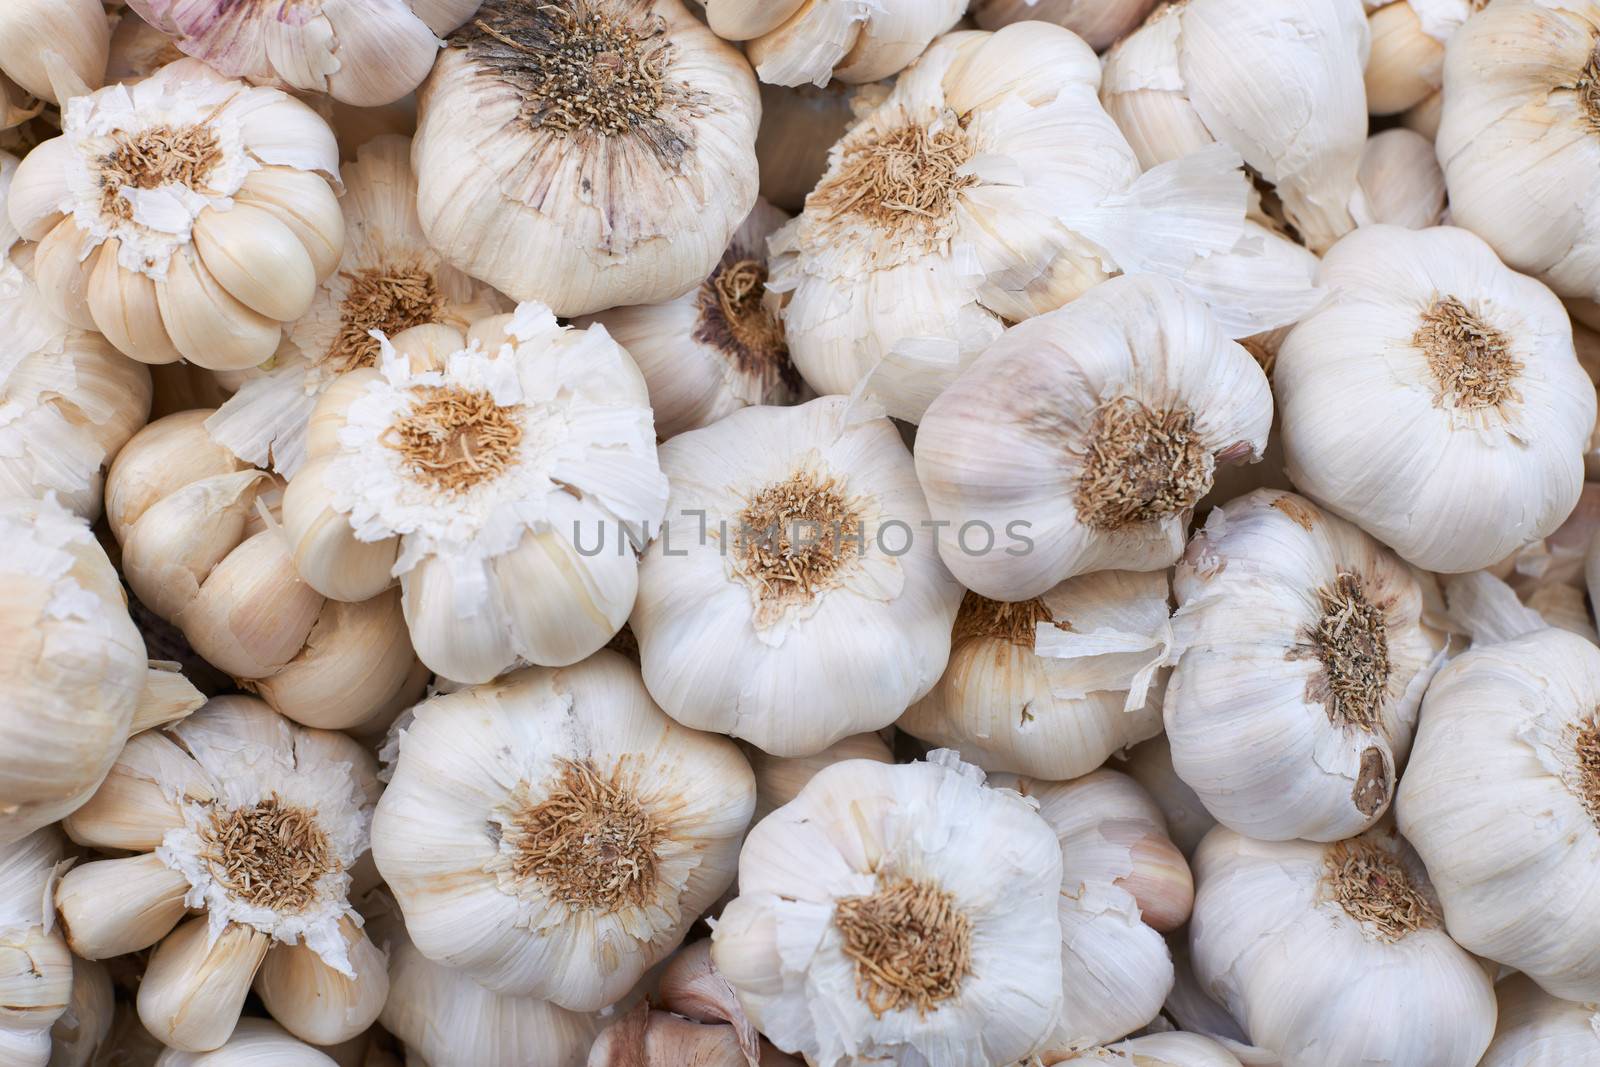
{"x": 1406, "y": 67}
{"x": 474, "y": 834}
{"x": 1048, "y": 441}
{"x": 866, "y": 844}
{"x": 1172, "y": 1049}
{"x": 1333, "y": 955}
{"x": 529, "y": 184}
{"x": 1401, "y": 180}
{"x": 255, "y": 1043}
{"x": 1505, "y": 760}
{"x": 1100, "y": 23}
{"x": 49, "y": 49}
{"x": 35, "y": 965}
{"x": 476, "y": 466}
{"x": 1470, "y": 369}
{"x": 729, "y": 641}
{"x": 1051, "y": 687}
{"x": 1538, "y": 1030}
{"x": 796, "y": 42}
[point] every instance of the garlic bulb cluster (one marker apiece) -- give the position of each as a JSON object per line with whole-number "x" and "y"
{"x": 885, "y": 912}
{"x": 586, "y": 154}
{"x": 474, "y": 465}
{"x": 1172, "y": 1049}
{"x": 554, "y": 835}
{"x": 1052, "y": 686}
{"x": 1469, "y": 369}
{"x": 779, "y": 779}
{"x": 203, "y": 548}
{"x": 1082, "y": 439}
{"x": 1334, "y": 955}
{"x": 255, "y": 1043}
{"x": 1279, "y": 82}
{"x": 718, "y": 347}
{"x": 1406, "y": 66}
{"x": 185, "y": 216}
{"x": 1099, "y": 22}
{"x": 388, "y": 280}
{"x": 1401, "y": 180}
{"x": 795, "y": 596}
{"x": 49, "y": 50}
{"x": 254, "y": 823}
{"x": 1537, "y": 1030}
{"x": 35, "y": 966}
{"x": 795, "y": 42}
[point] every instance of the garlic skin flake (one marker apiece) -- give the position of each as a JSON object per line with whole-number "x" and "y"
{"x": 795, "y": 42}
{"x": 49, "y": 50}
{"x": 475, "y": 467}
{"x": 796, "y": 596}
{"x": 388, "y": 280}
{"x": 1469, "y": 369}
{"x": 1505, "y": 758}
{"x": 1538, "y": 1030}
{"x": 255, "y": 1043}
{"x": 586, "y": 186}
{"x": 185, "y": 216}
{"x": 554, "y": 835}
{"x": 254, "y": 823}
{"x": 870, "y": 861}
{"x": 1082, "y": 439}
{"x": 1334, "y": 955}
{"x": 35, "y": 966}
{"x": 1099, "y": 22}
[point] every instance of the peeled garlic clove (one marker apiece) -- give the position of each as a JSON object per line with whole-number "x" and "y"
{"x": 1401, "y": 179}
{"x": 662, "y": 1039}
{"x": 35, "y": 966}
{"x": 315, "y": 1002}
{"x": 109, "y": 907}
{"x": 1535, "y": 1029}
{"x": 326, "y": 552}
{"x": 304, "y": 203}
{"x": 779, "y": 779}
{"x": 257, "y": 259}
{"x": 1098, "y": 22}
{"x": 38, "y": 38}
{"x": 193, "y": 987}
{"x": 84, "y": 1027}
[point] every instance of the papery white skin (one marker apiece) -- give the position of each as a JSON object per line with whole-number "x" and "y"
{"x": 1174, "y": 1049}
{"x": 438, "y": 835}
{"x": 255, "y": 1043}
{"x": 792, "y": 677}
{"x": 52, "y": 48}
{"x": 35, "y": 965}
{"x": 1494, "y": 764}
{"x": 1307, "y": 980}
{"x": 1537, "y": 1030}
{"x": 1150, "y": 764}
{"x": 1406, "y": 67}
{"x": 778, "y": 946}
{"x": 1192, "y": 1008}
{"x": 1004, "y": 444}
{"x": 793, "y": 42}
{"x": 1449, "y": 487}
{"x": 1098, "y": 22}
{"x": 1401, "y": 179}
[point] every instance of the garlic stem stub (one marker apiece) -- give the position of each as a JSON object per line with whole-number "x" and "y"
{"x": 49, "y": 50}
{"x": 586, "y": 154}
{"x": 35, "y": 966}
{"x": 796, "y": 42}
{"x": 1099, "y": 22}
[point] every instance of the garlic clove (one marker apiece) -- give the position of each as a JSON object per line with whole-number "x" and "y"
{"x": 167, "y": 697}
{"x": 1099, "y": 22}
{"x": 161, "y": 458}
{"x": 779, "y": 780}
{"x": 193, "y": 989}
{"x": 744, "y": 20}
{"x": 257, "y": 259}
{"x": 428, "y": 346}
{"x": 1160, "y": 881}
{"x": 1406, "y": 64}
{"x": 261, "y": 1043}
{"x": 894, "y": 36}
{"x": 131, "y": 809}
{"x": 583, "y": 602}
{"x": 326, "y": 551}
{"x": 109, "y": 907}
{"x": 466, "y": 648}
{"x": 179, "y": 540}
{"x": 690, "y": 985}
{"x": 62, "y": 265}
{"x": 1424, "y": 118}
{"x": 39, "y": 188}
{"x": 207, "y": 324}
{"x": 39, "y": 36}
{"x": 305, "y": 203}
{"x": 1401, "y": 179}
{"x": 645, "y": 1038}
{"x": 328, "y": 417}
{"x": 253, "y": 613}
{"x": 316, "y": 1003}
{"x": 384, "y": 53}
{"x": 35, "y": 988}
{"x": 124, "y": 307}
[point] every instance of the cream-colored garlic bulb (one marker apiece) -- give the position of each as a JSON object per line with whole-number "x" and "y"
{"x": 49, "y": 50}
{"x": 1538, "y": 1030}
{"x": 1401, "y": 179}
{"x": 1100, "y": 23}
{"x": 476, "y": 465}
{"x": 250, "y": 825}
{"x": 798, "y": 126}
{"x": 1193, "y": 1009}
{"x": 1304, "y": 645}
{"x": 1150, "y": 764}
{"x": 1334, "y": 955}
{"x": 586, "y": 184}
{"x": 86, "y": 1024}
{"x": 795, "y": 596}
{"x": 203, "y": 548}
{"x": 779, "y": 779}
{"x": 388, "y": 280}
{"x": 1280, "y": 82}
{"x": 1406, "y": 66}
{"x": 1435, "y": 400}
{"x": 1502, "y": 801}
{"x": 793, "y": 42}
{"x": 255, "y": 1043}
{"x": 718, "y": 347}
{"x": 185, "y": 216}
{"x": 903, "y": 914}
{"x": 1082, "y": 439}
{"x": 35, "y": 966}
{"x": 1172, "y": 1049}
{"x": 554, "y": 834}
{"x": 1052, "y": 686}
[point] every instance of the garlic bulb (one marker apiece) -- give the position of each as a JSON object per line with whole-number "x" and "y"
{"x": 185, "y": 216}
{"x": 1406, "y": 66}
{"x": 586, "y": 183}
{"x": 779, "y": 780}
{"x": 35, "y": 966}
{"x": 794, "y": 596}
{"x": 473, "y": 467}
{"x": 1304, "y": 644}
{"x": 138, "y": 49}
{"x": 388, "y": 280}
{"x": 255, "y": 1043}
{"x": 1537, "y": 1030}
{"x": 203, "y": 549}
{"x": 901, "y": 914}
{"x": 798, "y": 126}
{"x": 1400, "y": 178}
{"x": 1100, "y": 23}
{"x": 1082, "y": 439}
{"x": 554, "y": 834}
{"x": 793, "y": 42}
{"x": 1279, "y": 82}
{"x": 718, "y": 347}
{"x": 49, "y": 50}
{"x": 1052, "y": 686}
{"x": 1334, "y": 955}
{"x": 1150, "y": 764}
{"x": 1468, "y": 367}
{"x": 255, "y": 823}
{"x": 86, "y": 1024}
{"x": 1506, "y": 759}
{"x": 1173, "y": 1049}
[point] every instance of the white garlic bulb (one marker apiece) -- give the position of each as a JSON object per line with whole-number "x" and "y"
{"x": 1304, "y": 644}
{"x": 1279, "y": 82}
{"x": 872, "y": 865}
{"x": 1099, "y": 22}
{"x": 795, "y": 596}
{"x": 779, "y": 779}
{"x": 1537, "y": 1030}
{"x": 1082, "y": 439}
{"x": 1507, "y": 758}
{"x": 254, "y": 824}
{"x": 798, "y": 127}
{"x": 718, "y": 347}
{"x": 1406, "y": 66}
{"x": 49, "y": 49}
{"x": 1400, "y": 179}
{"x": 1469, "y": 369}
{"x": 86, "y": 1024}
{"x": 554, "y": 834}
{"x": 35, "y": 966}
{"x": 586, "y": 184}
{"x": 1050, "y": 687}
{"x": 255, "y": 1043}
{"x": 1334, "y": 955}
{"x": 1172, "y": 1049}
{"x": 793, "y": 42}
{"x": 473, "y": 465}
{"x": 1150, "y": 764}
{"x": 388, "y": 280}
